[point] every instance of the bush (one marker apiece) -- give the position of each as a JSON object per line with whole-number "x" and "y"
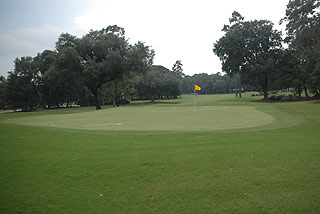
{"x": 273, "y": 98}
{"x": 276, "y": 98}
{"x": 291, "y": 98}
{"x": 316, "y": 96}
{"x": 287, "y": 98}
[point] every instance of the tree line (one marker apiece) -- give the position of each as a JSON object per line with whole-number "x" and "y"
{"x": 255, "y": 53}
{"x": 76, "y": 71}
{"x": 98, "y": 69}
{"x": 102, "y": 67}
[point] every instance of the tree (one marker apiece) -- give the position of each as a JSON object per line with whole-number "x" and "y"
{"x": 60, "y": 71}
{"x": 119, "y": 92}
{"x": 44, "y": 61}
{"x": 68, "y": 66}
{"x": 107, "y": 56}
{"x": 303, "y": 29}
{"x": 66, "y": 40}
{"x": 3, "y": 88}
{"x": 250, "y": 49}
{"x": 231, "y": 48}
{"x": 289, "y": 75}
{"x": 210, "y": 84}
{"x": 159, "y": 82}
{"x": 177, "y": 69}
{"x": 22, "y": 85}
{"x": 264, "y": 53}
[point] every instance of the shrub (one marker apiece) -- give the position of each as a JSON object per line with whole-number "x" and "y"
{"x": 273, "y": 98}
{"x": 276, "y": 98}
{"x": 291, "y": 98}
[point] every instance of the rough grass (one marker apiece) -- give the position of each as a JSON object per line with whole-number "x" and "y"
{"x": 274, "y": 170}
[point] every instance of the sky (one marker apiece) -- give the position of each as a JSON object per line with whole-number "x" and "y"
{"x": 176, "y": 29}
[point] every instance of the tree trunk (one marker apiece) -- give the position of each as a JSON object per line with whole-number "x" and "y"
{"x": 305, "y": 91}
{"x": 114, "y": 100}
{"x": 101, "y": 97}
{"x": 265, "y": 94}
{"x": 239, "y": 84}
{"x": 118, "y": 100}
{"x": 265, "y": 87}
{"x": 95, "y": 93}
{"x": 236, "y": 85}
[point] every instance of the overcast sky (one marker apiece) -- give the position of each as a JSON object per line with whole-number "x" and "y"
{"x": 177, "y": 30}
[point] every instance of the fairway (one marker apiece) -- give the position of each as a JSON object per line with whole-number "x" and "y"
{"x": 156, "y": 118}
{"x": 232, "y": 156}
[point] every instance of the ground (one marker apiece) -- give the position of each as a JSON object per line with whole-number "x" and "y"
{"x": 232, "y": 155}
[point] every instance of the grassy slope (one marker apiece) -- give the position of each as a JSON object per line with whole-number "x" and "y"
{"x": 262, "y": 171}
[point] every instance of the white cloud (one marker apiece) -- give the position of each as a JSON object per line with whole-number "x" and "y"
{"x": 177, "y": 29}
{"x": 25, "y": 42}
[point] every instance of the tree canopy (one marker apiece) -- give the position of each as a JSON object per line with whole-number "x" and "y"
{"x": 250, "y": 49}
{"x": 303, "y": 29}
{"x": 107, "y": 56}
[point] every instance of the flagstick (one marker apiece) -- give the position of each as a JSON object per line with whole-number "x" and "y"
{"x": 194, "y": 103}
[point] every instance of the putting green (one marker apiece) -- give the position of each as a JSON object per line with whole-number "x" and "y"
{"x": 153, "y": 118}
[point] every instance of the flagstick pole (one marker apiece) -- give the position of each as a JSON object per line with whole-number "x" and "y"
{"x": 194, "y": 102}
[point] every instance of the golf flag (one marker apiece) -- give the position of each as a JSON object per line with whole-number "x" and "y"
{"x": 197, "y": 88}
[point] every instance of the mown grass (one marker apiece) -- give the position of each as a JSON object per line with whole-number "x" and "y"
{"x": 208, "y": 118}
{"x": 270, "y": 170}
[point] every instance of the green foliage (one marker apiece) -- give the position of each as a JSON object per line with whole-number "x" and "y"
{"x": 210, "y": 84}
{"x": 158, "y": 83}
{"x": 21, "y": 91}
{"x": 250, "y": 49}
{"x": 276, "y": 98}
{"x": 177, "y": 69}
{"x": 303, "y": 29}
{"x": 76, "y": 66}
{"x": 290, "y": 97}
{"x": 107, "y": 56}
{"x": 60, "y": 71}
{"x": 44, "y": 61}
{"x": 3, "y": 88}
{"x": 63, "y": 77}
{"x": 119, "y": 92}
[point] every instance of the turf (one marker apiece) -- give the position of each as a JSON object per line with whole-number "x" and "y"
{"x": 155, "y": 118}
{"x": 270, "y": 168}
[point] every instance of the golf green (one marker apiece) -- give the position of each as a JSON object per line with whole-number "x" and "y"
{"x": 155, "y": 118}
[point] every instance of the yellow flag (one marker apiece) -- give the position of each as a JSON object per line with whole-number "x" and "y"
{"x": 197, "y": 88}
